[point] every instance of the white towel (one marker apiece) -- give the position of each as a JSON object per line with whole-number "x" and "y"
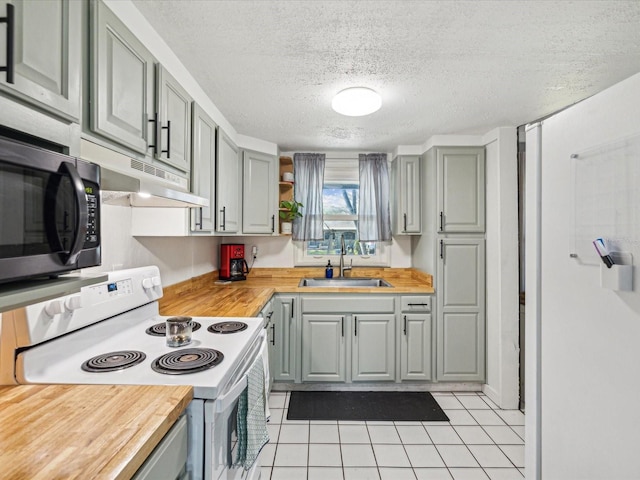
{"x": 251, "y": 421}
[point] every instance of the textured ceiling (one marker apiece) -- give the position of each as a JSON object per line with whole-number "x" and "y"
{"x": 442, "y": 67}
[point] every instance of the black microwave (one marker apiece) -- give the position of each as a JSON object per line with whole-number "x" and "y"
{"x": 49, "y": 212}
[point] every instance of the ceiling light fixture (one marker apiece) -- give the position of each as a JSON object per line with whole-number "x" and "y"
{"x": 356, "y": 101}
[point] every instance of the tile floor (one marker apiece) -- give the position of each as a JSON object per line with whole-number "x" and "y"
{"x": 481, "y": 442}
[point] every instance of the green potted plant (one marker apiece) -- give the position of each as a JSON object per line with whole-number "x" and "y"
{"x": 289, "y": 211}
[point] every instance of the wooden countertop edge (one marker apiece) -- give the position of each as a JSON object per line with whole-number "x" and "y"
{"x": 84, "y": 431}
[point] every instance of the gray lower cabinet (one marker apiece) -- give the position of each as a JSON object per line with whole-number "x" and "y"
{"x": 47, "y": 64}
{"x": 228, "y": 185}
{"x": 461, "y": 309}
{"x": 373, "y": 347}
{"x": 203, "y": 174}
{"x": 122, "y": 84}
{"x": 173, "y": 105}
{"x": 283, "y": 338}
{"x": 259, "y": 198}
{"x": 323, "y": 351}
{"x": 416, "y": 346}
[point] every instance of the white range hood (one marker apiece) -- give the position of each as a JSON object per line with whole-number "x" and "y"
{"x": 128, "y": 181}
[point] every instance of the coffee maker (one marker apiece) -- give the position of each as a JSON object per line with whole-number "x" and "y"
{"x": 232, "y": 263}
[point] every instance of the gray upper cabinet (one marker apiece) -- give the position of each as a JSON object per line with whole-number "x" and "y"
{"x": 461, "y": 309}
{"x": 259, "y": 193}
{"x": 373, "y": 356}
{"x": 406, "y": 195}
{"x": 203, "y": 170}
{"x": 46, "y": 54}
{"x": 461, "y": 189}
{"x": 122, "y": 91}
{"x": 228, "y": 185}
{"x": 174, "y": 122}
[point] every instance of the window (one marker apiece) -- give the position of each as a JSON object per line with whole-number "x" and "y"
{"x": 340, "y": 215}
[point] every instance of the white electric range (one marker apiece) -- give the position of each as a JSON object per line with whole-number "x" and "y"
{"x": 112, "y": 333}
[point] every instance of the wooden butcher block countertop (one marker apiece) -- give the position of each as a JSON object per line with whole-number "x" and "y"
{"x": 83, "y": 431}
{"x": 202, "y": 297}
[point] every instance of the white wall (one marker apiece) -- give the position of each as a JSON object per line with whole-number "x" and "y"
{"x": 179, "y": 258}
{"x": 589, "y": 359}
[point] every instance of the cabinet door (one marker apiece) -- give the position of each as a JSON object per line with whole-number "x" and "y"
{"x": 46, "y": 54}
{"x": 407, "y": 192}
{"x": 174, "y": 110}
{"x": 203, "y": 169}
{"x": 461, "y": 309}
{"x": 122, "y": 81}
{"x": 323, "y": 348}
{"x": 373, "y": 352}
{"x": 227, "y": 185}
{"x": 259, "y": 193}
{"x": 415, "y": 346}
{"x": 461, "y": 190}
{"x": 283, "y": 339}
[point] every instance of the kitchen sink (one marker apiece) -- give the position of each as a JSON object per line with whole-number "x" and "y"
{"x": 343, "y": 282}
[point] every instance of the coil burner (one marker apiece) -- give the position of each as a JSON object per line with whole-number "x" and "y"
{"x": 187, "y": 360}
{"x": 112, "y": 361}
{"x": 160, "y": 329}
{"x": 227, "y": 327}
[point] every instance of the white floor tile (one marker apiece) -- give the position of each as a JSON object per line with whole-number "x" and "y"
{"x": 277, "y": 400}
{"x": 424, "y": 456}
{"x": 267, "y": 455}
{"x": 456, "y": 456}
{"x": 449, "y": 403}
{"x": 511, "y": 417}
{"x": 324, "y": 455}
{"x": 468, "y": 474}
{"x": 432, "y": 474}
{"x": 443, "y": 435}
{"x": 515, "y": 454}
{"x": 323, "y": 422}
{"x": 274, "y": 431}
{"x": 361, "y": 473}
{"x": 473, "y": 402}
{"x": 489, "y": 402}
{"x": 294, "y": 433}
{"x": 276, "y": 415}
{"x": 473, "y": 435}
{"x": 519, "y": 429}
{"x": 288, "y": 473}
{"x": 383, "y": 434}
{"x": 353, "y": 433}
{"x": 489, "y": 456}
{"x": 413, "y": 434}
{"x": 460, "y": 417}
{"x": 503, "y": 473}
{"x": 391, "y": 456}
{"x": 265, "y": 473}
{"x": 323, "y": 434}
{"x": 325, "y": 473}
{"x": 486, "y": 417}
{"x": 351, "y": 422}
{"x": 503, "y": 435}
{"x": 397, "y": 474}
{"x": 291, "y": 455}
{"x": 379, "y": 422}
{"x": 358, "y": 455}
{"x": 401, "y": 423}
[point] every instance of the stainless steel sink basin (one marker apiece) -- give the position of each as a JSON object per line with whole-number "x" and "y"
{"x": 343, "y": 282}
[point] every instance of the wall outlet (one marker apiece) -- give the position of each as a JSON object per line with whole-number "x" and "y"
{"x": 254, "y": 251}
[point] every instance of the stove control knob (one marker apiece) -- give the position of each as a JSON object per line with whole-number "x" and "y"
{"x": 73, "y": 303}
{"x": 147, "y": 283}
{"x": 156, "y": 281}
{"x": 54, "y": 308}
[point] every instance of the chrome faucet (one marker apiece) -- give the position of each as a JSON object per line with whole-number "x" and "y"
{"x": 343, "y": 252}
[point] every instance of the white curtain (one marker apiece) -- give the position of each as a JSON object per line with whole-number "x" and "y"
{"x": 374, "y": 219}
{"x": 309, "y": 175}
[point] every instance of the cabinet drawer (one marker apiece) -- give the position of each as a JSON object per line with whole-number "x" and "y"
{"x": 342, "y": 304}
{"x": 416, "y": 303}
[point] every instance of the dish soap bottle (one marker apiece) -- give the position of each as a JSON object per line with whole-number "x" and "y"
{"x": 328, "y": 273}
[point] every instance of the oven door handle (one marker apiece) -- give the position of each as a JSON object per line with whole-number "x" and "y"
{"x": 223, "y": 402}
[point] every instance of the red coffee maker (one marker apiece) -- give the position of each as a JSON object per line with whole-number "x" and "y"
{"x": 232, "y": 263}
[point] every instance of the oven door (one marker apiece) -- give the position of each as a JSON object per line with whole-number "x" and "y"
{"x": 49, "y": 212}
{"x": 221, "y": 425}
